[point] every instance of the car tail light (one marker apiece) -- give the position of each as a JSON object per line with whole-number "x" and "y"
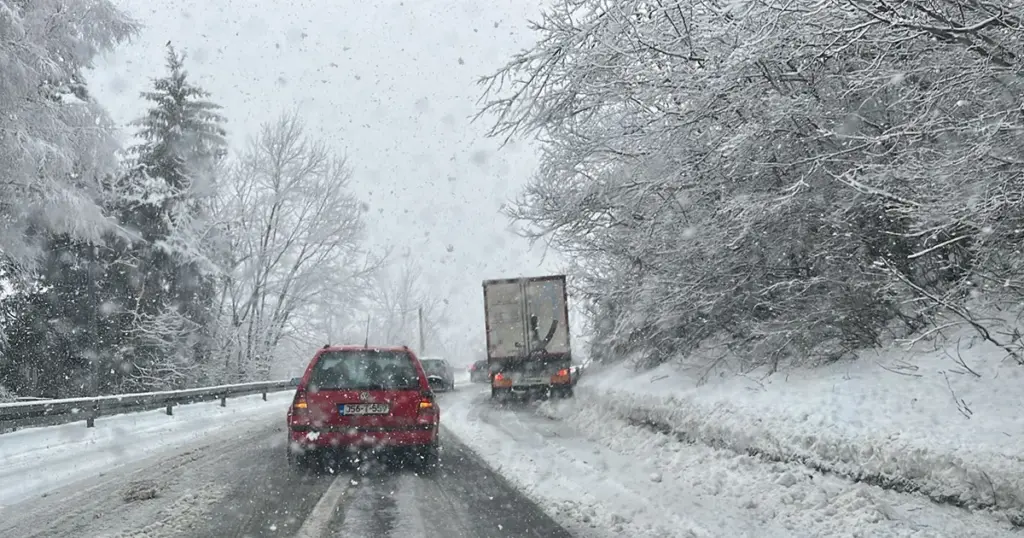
{"x": 300, "y": 406}
{"x": 563, "y": 372}
{"x": 426, "y": 409}
{"x": 298, "y": 414}
{"x": 499, "y": 377}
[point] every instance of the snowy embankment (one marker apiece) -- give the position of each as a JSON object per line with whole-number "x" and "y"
{"x": 34, "y": 461}
{"x": 947, "y": 422}
{"x": 603, "y": 477}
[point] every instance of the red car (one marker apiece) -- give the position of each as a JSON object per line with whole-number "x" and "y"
{"x": 357, "y": 398}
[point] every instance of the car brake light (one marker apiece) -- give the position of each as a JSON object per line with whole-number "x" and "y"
{"x": 563, "y": 372}
{"x": 499, "y": 377}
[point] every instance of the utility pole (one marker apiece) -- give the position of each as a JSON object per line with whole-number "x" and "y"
{"x": 420, "y": 313}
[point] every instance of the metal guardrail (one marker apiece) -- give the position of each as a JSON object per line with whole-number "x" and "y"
{"x": 50, "y": 412}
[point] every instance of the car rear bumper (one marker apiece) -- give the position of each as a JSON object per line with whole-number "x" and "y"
{"x": 356, "y": 438}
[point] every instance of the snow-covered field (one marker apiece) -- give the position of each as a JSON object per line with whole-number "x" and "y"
{"x": 914, "y": 421}
{"x": 34, "y": 461}
{"x": 602, "y": 476}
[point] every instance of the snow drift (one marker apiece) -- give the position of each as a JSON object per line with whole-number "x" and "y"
{"x": 920, "y": 422}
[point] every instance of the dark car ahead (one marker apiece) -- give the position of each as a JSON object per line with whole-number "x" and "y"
{"x": 354, "y": 398}
{"x": 440, "y": 374}
{"x": 478, "y": 372}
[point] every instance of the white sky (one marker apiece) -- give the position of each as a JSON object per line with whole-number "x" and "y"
{"x": 392, "y": 84}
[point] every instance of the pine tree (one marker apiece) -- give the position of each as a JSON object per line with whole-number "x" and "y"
{"x": 59, "y": 342}
{"x": 167, "y": 194}
{"x": 56, "y": 145}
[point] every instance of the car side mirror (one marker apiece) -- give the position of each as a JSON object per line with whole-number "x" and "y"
{"x": 295, "y": 381}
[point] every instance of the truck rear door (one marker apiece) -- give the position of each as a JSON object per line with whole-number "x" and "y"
{"x": 545, "y": 299}
{"x": 506, "y": 325}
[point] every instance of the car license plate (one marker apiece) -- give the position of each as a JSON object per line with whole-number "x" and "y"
{"x": 364, "y": 409}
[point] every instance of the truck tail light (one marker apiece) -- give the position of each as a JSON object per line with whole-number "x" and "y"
{"x": 561, "y": 377}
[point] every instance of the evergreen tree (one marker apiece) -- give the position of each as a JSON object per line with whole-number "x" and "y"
{"x": 166, "y": 198}
{"x": 56, "y": 145}
{"x": 60, "y": 340}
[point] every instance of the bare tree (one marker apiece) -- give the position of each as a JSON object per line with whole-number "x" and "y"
{"x": 395, "y": 302}
{"x": 292, "y": 236}
{"x": 173, "y": 366}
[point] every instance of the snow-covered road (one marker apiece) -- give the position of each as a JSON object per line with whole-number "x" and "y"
{"x": 552, "y": 470}
{"x": 221, "y": 472}
{"x": 36, "y": 461}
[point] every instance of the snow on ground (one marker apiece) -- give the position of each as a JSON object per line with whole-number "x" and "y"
{"x": 916, "y": 420}
{"x": 34, "y": 461}
{"x": 601, "y": 476}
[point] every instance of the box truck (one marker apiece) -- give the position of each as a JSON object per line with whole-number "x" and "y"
{"x": 527, "y": 325}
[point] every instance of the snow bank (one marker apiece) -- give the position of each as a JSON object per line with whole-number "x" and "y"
{"x": 34, "y": 461}
{"x": 603, "y": 477}
{"x": 909, "y": 421}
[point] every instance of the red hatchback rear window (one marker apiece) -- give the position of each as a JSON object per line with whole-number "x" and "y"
{"x": 364, "y": 370}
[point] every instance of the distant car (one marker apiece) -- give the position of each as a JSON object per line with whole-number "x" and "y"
{"x": 478, "y": 372}
{"x": 440, "y": 373}
{"x": 355, "y": 398}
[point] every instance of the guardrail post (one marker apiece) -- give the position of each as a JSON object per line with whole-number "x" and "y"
{"x": 170, "y": 411}
{"x": 264, "y": 396}
{"x": 91, "y": 414}
{"x": 223, "y": 400}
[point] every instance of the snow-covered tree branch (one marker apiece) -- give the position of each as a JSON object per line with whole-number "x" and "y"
{"x": 742, "y": 172}
{"x": 56, "y": 143}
